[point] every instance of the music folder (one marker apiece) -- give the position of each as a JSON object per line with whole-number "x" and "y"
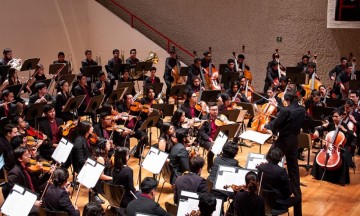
{"x": 154, "y": 160}
{"x": 255, "y": 159}
{"x": 255, "y": 136}
{"x": 62, "y": 151}
{"x": 220, "y": 141}
{"x": 90, "y": 173}
{"x": 19, "y": 202}
{"x": 189, "y": 201}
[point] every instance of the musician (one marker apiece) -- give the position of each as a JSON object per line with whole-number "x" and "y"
{"x": 352, "y": 120}
{"x": 275, "y": 57}
{"x": 242, "y": 87}
{"x": 170, "y": 63}
{"x": 152, "y": 79}
{"x": 92, "y": 209}
{"x": 275, "y": 179}
{"x": 354, "y": 96}
{"x": 205, "y": 62}
{"x": 7, "y": 53}
{"x": 241, "y": 63}
{"x": 103, "y": 86}
{"x": 335, "y": 72}
{"x": 323, "y": 94}
{"x": 303, "y": 64}
{"x": 167, "y": 138}
{"x": 61, "y": 99}
{"x": 123, "y": 175}
{"x": 50, "y": 127}
{"x": 230, "y": 68}
{"x": 283, "y": 84}
{"x": 104, "y": 129}
{"x": 195, "y": 85}
{"x": 272, "y": 76}
{"x": 9, "y": 131}
{"x": 313, "y": 101}
{"x": 7, "y": 107}
{"x": 12, "y": 79}
{"x": 178, "y": 119}
{"x": 269, "y": 94}
{"x": 343, "y": 80}
{"x": 126, "y": 76}
{"x": 56, "y": 197}
{"x": 150, "y": 100}
{"x": 132, "y": 60}
{"x": 194, "y": 71}
{"x": 83, "y": 89}
{"x": 207, "y": 133}
{"x": 207, "y": 204}
{"x": 341, "y": 175}
{"x": 234, "y": 88}
{"x": 225, "y": 102}
{"x": 116, "y": 60}
{"x": 288, "y": 123}
{"x": 41, "y": 95}
{"x": 189, "y": 105}
{"x": 179, "y": 156}
{"x": 61, "y": 59}
{"x": 88, "y": 61}
{"x": 145, "y": 203}
{"x": 39, "y": 70}
{"x": 191, "y": 181}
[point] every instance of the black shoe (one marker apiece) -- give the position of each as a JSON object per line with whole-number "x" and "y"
{"x": 98, "y": 199}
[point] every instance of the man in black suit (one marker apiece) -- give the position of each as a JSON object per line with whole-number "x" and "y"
{"x": 179, "y": 157}
{"x": 152, "y": 79}
{"x": 132, "y": 60}
{"x": 191, "y": 181}
{"x": 170, "y": 63}
{"x": 116, "y": 60}
{"x": 83, "y": 89}
{"x": 9, "y": 131}
{"x": 7, "y": 107}
{"x": 288, "y": 123}
{"x": 82, "y": 148}
{"x": 41, "y": 95}
{"x": 88, "y": 61}
{"x": 103, "y": 86}
{"x": 145, "y": 203}
{"x": 194, "y": 70}
{"x": 50, "y": 127}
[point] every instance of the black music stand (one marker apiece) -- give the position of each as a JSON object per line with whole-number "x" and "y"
{"x": 333, "y": 102}
{"x": 232, "y": 115}
{"x": 229, "y": 130}
{"x": 15, "y": 89}
{"x": 91, "y": 71}
{"x": 319, "y": 112}
{"x": 29, "y": 64}
{"x": 229, "y": 77}
{"x": 69, "y": 78}
{"x": 222, "y": 68}
{"x": 4, "y": 70}
{"x": 116, "y": 95}
{"x": 142, "y": 67}
{"x": 354, "y": 85}
{"x": 54, "y": 69}
{"x": 128, "y": 85}
{"x": 46, "y": 82}
{"x": 156, "y": 86}
{"x": 73, "y": 104}
{"x": 118, "y": 69}
{"x": 209, "y": 95}
{"x": 184, "y": 71}
{"x": 177, "y": 91}
{"x": 166, "y": 109}
{"x": 295, "y": 75}
{"x": 309, "y": 125}
{"x": 249, "y": 107}
{"x": 94, "y": 104}
{"x": 34, "y": 112}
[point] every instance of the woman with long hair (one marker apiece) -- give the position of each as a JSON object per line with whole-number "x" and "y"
{"x": 165, "y": 141}
{"x": 178, "y": 119}
{"x": 61, "y": 99}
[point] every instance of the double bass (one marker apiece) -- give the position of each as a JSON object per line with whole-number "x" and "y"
{"x": 247, "y": 73}
{"x": 212, "y": 75}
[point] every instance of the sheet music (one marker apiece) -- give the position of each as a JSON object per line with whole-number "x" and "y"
{"x": 62, "y": 151}
{"x": 226, "y": 176}
{"x": 219, "y": 143}
{"x": 255, "y": 159}
{"x": 19, "y": 202}
{"x": 255, "y": 136}
{"x": 189, "y": 201}
{"x": 154, "y": 160}
{"x": 90, "y": 173}
{"x": 2, "y": 162}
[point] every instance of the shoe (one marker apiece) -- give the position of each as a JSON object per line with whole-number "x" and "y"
{"x": 98, "y": 199}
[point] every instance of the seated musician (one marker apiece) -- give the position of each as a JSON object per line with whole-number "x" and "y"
{"x": 313, "y": 101}
{"x": 207, "y": 133}
{"x": 62, "y": 97}
{"x": 275, "y": 57}
{"x": 7, "y": 108}
{"x": 242, "y": 87}
{"x": 283, "y": 84}
{"x": 303, "y": 64}
{"x": 191, "y": 181}
{"x": 40, "y": 74}
{"x": 242, "y": 65}
{"x": 225, "y": 102}
{"x": 20, "y": 175}
{"x": 227, "y": 158}
{"x": 338, "y": 69}
{"x": 352, "y": 120}
{"x": 343, "y": 80}
{"x": 133, "y": 122}
{"x": 41, "y": 95}
{"x": 189, "y": 105}
{"x": 269, "y": 94}
{"x": 12, "y": 79}
{"x": 122, "y": 174}
{"x": 103, "y": 86}
{"x": 234, "y": 92}
{"x": 341, "y": 175}
{"x": 230, "y": 68}
{"x": 88, "y": 61}
{"x": 50, "y": 127}
{"x": 167, "y": 139}
{"x": 178, "y": 119}
{"x": 116, "y": 60}
{"x": 194, "y": 71}
{"x": 195, "y": 85}
{"x": 272, "y": 76}
{"x": 323, "y": 94}
{"x": 56, "y": 197}
{"x": 275, "y": 179}
{"x": 83, "y": 89}
{"x": 126, "y": 76}
{"x": 311, "y": 69}
{"x": 7, "y": 53}
{"x": 206, "y": 60}
{"x": 132, "y": 60}
{"x": 61, "y": 59}
{"x": 152, "y": 79}
{"x": 9, "y": 131}
{"x": 170, "y": 63}
{"x": 179, "y": 156}
{"x": 354, "y": 96}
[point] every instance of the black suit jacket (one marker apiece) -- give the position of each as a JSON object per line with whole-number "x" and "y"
{"x": 146, "y": 206}
{"x": 170, "y": 63}
{"x": 108, "y": 88}
{"x": 44, "y": 126}
{"x": 193, "y": 72}
{"x": 125, "y": 177}
{"x": 80, "y": 153}
{"x": 33, "y": 98}
{"x": 11, "y": 113}
{"x": 221, "y": 160}
{"x": 148, "y": 80}
{"x": 109, "y": 67}
{"x": 189, "y": 182}
{"x": 179, "y": 159}
{"x": 8, "y": 153}
{"x": 57, "y": 199}
{"x": 79, "y": 91}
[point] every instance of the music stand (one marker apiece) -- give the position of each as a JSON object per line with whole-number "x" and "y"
{"x": 232, "y": 115}
{"x": 209, "y": 95}
{"x": 184, "y": 71}
{"x": 229, "y": 130}
{"x": 177, "y": 92}
{"x": 69, "y": 78}
{"x": 319, "y": 112}
{"x": 167, "y": 109}
{"x": 156, "y": 86}
{"x": 116, "y": 95}
{"x": 118, "y": 69}
{"x": 4, "y": 70}
{"x": 332, "y": 102}
{"x": 74, "y": 103}
{"x": 354, "y": 84}
{"x": 54, "y": 69}
{"x": 142, "y": 67}
{"x": 29, "y": 64}
{"x": 309, "y": 125}
{"x": 91, "y": 71}
{"x": 249, "y": 107}
{"x": 229, "y": 77}
{"x": 94, "y": 104}
{"x": 46, "y": 82}
{"x": 128, "y": 85}
{"x": 35, "y": 111}
{"x": 15, "y": 89}
{"x": 295, "y": 75}
{"x": 222, "y": 69}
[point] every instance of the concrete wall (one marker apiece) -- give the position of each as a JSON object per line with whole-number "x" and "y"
{"x": 227, "y": 25}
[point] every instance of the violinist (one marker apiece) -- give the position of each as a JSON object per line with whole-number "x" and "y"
{"x": 194, "y": 71}
{"x": 7, "y": 108}
{"x": 272, "y": 76}
{"x": 149, "y": 100}
{"x": 152, "y": 79}
{"x": 225, "y": 102}
{"x": 104, "y": 129}
{"x": 179, "y": 156}
{"x": 9, "y": 131}
{"x": 170, "y": 64}
{"x": 103, "y": 86}
{"x": 288, "y": 124}
{"x": 167, "y": 137}
{"x": 189, "y": 105}
{"x": 61, "y": 99}
{"x": 236, "y": 94}
{"x": 303, "y": 65}
{"x": 341, "y": 175}
{"x": 178, "y": 119}
{"x": 41, "y": 95}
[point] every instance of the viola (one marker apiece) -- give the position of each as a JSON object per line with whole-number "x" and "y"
{"x": 34, "y": 133}
{"x": 66, "y": 127}
{"x": 222, "y": 120}
{"x": 202, "y": 107}
{"x": 36, "y": 166}
{"x": 31, "y": 141}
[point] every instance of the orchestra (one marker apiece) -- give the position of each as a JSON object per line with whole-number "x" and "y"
{"x": 105, "y": 134}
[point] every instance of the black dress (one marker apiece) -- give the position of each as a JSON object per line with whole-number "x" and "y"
{"x": 124, "y": 177}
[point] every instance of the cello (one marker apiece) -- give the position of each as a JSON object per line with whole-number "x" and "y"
{"x": 267, "y": 111}
{"x": 329, "y": 157}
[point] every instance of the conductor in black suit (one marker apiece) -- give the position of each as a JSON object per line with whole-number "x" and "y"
{"x": 288, "y": 123}
{"x": 145, "y": 203}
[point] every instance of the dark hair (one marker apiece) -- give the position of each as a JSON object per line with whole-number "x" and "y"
{"x": 291, "y": 96}
{"x": 165, "y": 128}
{"x": 60, "y": 176}
{"x": 274, "y": 55}
{"x": 8, "y": 128}
{"x": 251, "y": 181}
{"x": 11, "y": 72}
{"x": 120, "y": 158}
{"x": 312, "y": 64}
{"x": 148, "y": 184}
{"x": 348, "y": 65}
{"x": 284, "y": 78}
{"x": 175, "y": 119}
{"x": 315, "y": 93}
{"x": 100, "y": 148}
{"x": 224, "y": 97}
{"x": 87, "y": 51}
{"x": 206, "y": 53}
{"x": 196, "y": 163}
{"x": 84, "y": 127}
{"x": 196, "y": 60}
{"x": 104, "y": 114}
{"x": 241, "y": 56}
{"x": 5, "y": 93}
{"x": 211, "y": 104}
{"x": 38, "y": 66}
{"x": 305, "y": 57}
{"x": 274, "y": 155}
{"x": 61, "y": 53}
{"x": 39, "y": 86}
{"x": 355, "y": 92}
{"x": 181, "y": 134}
{"x": 132, "y": 50}
{"x": 153, "y": 68}
{"x": 343, "y": 58}
{"x": 150, "y": 88}
{"x": 101, "y": 73}
{"x": 115, "y": 50}
{"x": 230, "y": 150}
{"x": 207, "y": 204}
{"x": 273, "y": 63}
{"x": 47, "y": 108}
{"x": 349, "y": 102}
{"x": 6, "y": 51}
{"x": 79, "y": 76}
{"x": 93, "y": 209}
{"x": 60, "y": 85}
{"x": 16, "y": 141}
{"x": 235, "y": 83}
{"x": 19, "y": 151}
{"x": 230, "y": 61}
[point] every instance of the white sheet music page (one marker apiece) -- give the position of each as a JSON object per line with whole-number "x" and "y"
{"x": 228, "y": 177}
{"x": 62, "y": 151}
{"x": 219, "y": 143}
{"x": 19, "y": 202}
{"x": 154, "y": 160}
{"x": 255, "y": 136}
{"x": 186, "y": 205}
{"x": 90, "y": 173}
{"x": 2, "y": 161}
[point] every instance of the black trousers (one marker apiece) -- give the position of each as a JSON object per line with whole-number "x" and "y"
{"x": 210, "y": 155}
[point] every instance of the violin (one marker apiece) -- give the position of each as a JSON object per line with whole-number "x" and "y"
{"x": 93, "y": 138}
{"x": 194, "y": 213}
{"x": 222, "y": 120}
{"x": 66, "y": 127}
{"x": 34, "y": 133}
{"x": 202, "y": 107}
{"x": 235, "y": 187}
{"x": 145, "y": 108}
{"x": 35, "y": 166}
{"x": 31, "y": 141}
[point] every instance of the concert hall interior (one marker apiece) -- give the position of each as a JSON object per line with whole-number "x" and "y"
{"x": 185, "y": 108}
